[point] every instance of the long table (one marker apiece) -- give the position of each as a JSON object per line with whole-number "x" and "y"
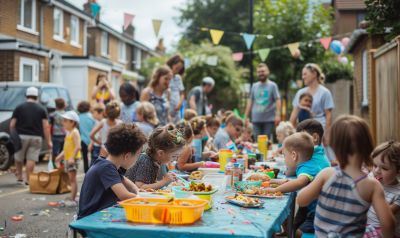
{"x": 223, "y": 220}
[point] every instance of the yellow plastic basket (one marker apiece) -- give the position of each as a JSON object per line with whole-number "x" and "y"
{"x": 163, "y": 210}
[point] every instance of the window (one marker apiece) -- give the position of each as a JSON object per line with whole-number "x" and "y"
{"x": 138, "y": 59}
{"x": 364, "y": 78}
{"x": 27, "y": 16}
{"x": 74, "y": 30}
{"x": 122, "y": 52}
{"x": 104, "y": 44}
{"x": 28, "y": 70}
{"x": 58, "y": 24}
{"x": 47, "y": 97}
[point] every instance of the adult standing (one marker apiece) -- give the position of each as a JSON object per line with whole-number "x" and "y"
{"x": 198, "y": 100}
{"x": 31, "y": 123}
{"x": 176, "y": 96}
{"x": 264, "y": 103}
{"x": 322, "y": 103}
{"x": 155, "y": 93}
{"x": 102, "y": 92}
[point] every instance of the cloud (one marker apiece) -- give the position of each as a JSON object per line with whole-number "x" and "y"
{"x": 112, "y": 13}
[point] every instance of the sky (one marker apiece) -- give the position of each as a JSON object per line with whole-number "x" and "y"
{"x": 112, "y": 14}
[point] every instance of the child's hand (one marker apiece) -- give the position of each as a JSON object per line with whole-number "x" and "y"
{"x": 71, "y": 161}
{"x": 169, "y": 178}
{"x": 270, "y": 190}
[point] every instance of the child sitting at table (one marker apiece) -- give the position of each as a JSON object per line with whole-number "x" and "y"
{"x": 386, "y": 159}
{"x": 146, "y": 117}
{"x": 298, "y": 149}
{"x": 225, "y": 138}
{"x": 103, "y": 185}
{"x": 189, "y": 114}
{"x": 186, "y": 160}
{"x": 315, "y": 129}
{"x": 165, "y": 145}
{"x": 346, "y": 193}
{"x": 283, "y": 130}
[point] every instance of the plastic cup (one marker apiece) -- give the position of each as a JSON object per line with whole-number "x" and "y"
{"x": 224, "y": 157}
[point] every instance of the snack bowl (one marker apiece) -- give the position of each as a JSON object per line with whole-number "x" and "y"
{"x": 179, "y": 193}
{"x": 242, "y": 185}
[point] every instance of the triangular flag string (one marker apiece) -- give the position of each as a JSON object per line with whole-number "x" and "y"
{"x": 95, "y": 9}
{"x": 248, "y": 39}
{"x": 216, "y": 36}
{"x": 263, "y": 53}
{"x": 128, "y": 18}
{"x": 325, "y": 42}
{"x": 293, "y": 47}
{"x": 156, "y": 26}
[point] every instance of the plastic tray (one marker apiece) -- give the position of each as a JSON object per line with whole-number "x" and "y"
{"x": 163, "y": 210}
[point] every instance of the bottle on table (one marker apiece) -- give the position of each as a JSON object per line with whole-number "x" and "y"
{"x": 237, "y": 174}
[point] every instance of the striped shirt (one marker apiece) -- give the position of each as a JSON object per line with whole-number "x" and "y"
{"x": 341, "y": 212}
{"x": 392, "y": 196}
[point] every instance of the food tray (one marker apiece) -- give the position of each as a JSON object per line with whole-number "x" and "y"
{"x": 163, "y": 210}
{"x": 246, "y": 205}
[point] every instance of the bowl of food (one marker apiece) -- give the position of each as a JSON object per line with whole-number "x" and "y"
{"x": 200, "y": 190}
{"x": 242, "y": 185}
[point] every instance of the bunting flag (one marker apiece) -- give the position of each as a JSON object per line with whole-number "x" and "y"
{"x": 216, "y": 36}
{"x": 212, "y": 60}
{"x": 293, "y": 47}
{"x": 237, "y": 56}
{"x": 156, "y": 26}
{"x": 128, "y": 18}
{"x": 248, "y": 39}
{"x": 263, "y": 53}
{"x": 325, "y": 42}
{"x": 95, "y": 9}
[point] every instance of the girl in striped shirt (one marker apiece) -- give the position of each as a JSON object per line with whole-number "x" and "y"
{"x": 346, "y": 193}
{"x": 386, "y": 170}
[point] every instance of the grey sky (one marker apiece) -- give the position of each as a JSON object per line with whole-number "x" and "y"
{"x": 112, "y": 13}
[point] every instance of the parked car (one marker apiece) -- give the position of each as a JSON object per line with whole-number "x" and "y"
{"x": 12, "y": 94}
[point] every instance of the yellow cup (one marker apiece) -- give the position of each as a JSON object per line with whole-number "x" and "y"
{"x": 224, "y": 156}
{"x": 262, "y": 141}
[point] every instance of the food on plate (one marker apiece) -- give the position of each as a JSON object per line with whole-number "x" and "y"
{"x": 198, "y": 187}
{"x": 150, "y": 190}
{"x": 261, "y": 192}
{"x": 196, "y": 175}
{"x": 258, "y": 177}
{"x": 176, "y": 183}
{"x": 246, "y": 200}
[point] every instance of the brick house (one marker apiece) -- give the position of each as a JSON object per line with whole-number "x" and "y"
{"x": 348, "y": 15}
{"x": 115, "y": 54}
{"x": 34, "y": 34}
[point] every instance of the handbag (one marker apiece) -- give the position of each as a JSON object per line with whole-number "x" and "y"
{"x": 55, "y": 181}
{"x": 46, "y": 182}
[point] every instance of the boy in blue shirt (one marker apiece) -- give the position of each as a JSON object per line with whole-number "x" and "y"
{"x": 298, "y": 149}
{"x": 315, "y": 129}
{"x": 103, "y": 185}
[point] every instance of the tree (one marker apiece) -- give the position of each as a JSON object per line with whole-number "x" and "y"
{"x": 290, "y": 21}
{"x": 384, "y": 17}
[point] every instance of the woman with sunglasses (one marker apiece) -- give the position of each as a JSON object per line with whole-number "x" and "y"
{"x": 225, "y": 138}
{"x": 322, "y": 104}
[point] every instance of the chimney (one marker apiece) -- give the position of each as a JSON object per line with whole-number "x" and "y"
{"x": 87, "y": 7}
{"x": 129, "y": 31}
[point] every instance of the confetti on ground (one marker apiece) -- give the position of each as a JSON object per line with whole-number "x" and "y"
{"x": 232, "y": 232}
{"x": 52, "y": 204}
{"x": 17, "y": 218}
{"x": 246, "y": 222}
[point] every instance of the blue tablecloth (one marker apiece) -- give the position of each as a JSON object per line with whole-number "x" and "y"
{"x": 223, "y": 220}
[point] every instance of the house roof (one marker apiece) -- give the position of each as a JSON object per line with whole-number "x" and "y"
{"x": 123, "y": 37}
{"x": 66, "y": 6}
{"x": 356, "y": 36}
{"x": 349, "y": 4}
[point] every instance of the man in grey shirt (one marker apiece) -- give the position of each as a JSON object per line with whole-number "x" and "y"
{"x": 198, "y": 97}
{"x": 264, "y": 103}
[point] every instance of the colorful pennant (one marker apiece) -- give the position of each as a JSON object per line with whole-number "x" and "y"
{"x": 216, "y": 36}
{"x": 95, "y": 9}
{"x": 293, "y": 47}
{"x": 156, "y": 26}
{"x": 248, "y": 39}
{"x": 237, "y": 56}
{"x": 128, "y": 18}
{"x": 325, "y": 42}
{"x": 263, "y": 53}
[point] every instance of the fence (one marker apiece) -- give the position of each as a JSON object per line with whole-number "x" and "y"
{"x": 387, "y": 79}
